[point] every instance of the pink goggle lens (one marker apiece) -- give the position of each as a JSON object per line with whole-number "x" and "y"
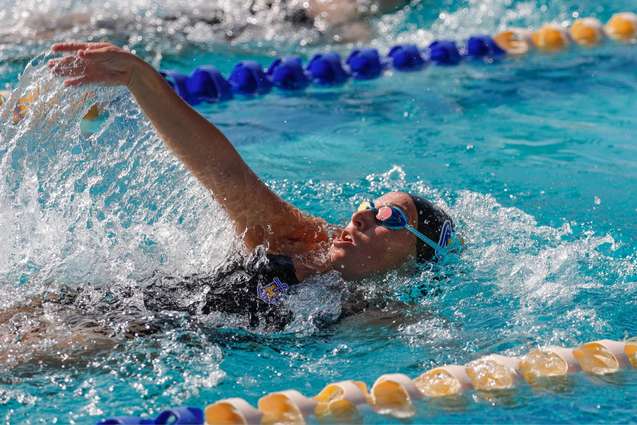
{"x": 384, "y": 214}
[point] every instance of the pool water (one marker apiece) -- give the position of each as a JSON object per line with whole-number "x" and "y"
{"x": 534, "y": 157}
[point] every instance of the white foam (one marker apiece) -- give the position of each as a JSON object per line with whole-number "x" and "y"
{"x": 97, "y": 209}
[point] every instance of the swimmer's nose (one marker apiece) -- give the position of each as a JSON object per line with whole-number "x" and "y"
{"x": 363, "y": 220}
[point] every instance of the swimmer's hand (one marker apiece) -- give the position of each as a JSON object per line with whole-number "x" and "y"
{"x": 95, "y": 63}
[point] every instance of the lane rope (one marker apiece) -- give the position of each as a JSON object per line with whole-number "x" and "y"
{"x": 398, "y": 395}
{"x": 248, "y": 78}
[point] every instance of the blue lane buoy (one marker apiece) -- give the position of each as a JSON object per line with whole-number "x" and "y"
{"x": 248, "y": 77}
{"x": 176, "y": 416}
{"x": 126, "y": 420}
{"x": 181, "y": 416}
{"x": 444, "y": 52}
{"x": 406, "y": 57}
{"x": 167, "y": 79}
{"x": 288, "y": 73}
{"x": 206, "y": 84}
{"x": 326, "y": 69}
{"x": 481, "y": 46}
{"x": 365, "y": 64}
{"x": 177, "y": 81}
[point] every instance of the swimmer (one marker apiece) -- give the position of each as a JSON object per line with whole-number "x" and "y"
{"x": 332, "y": 12}
{"x": 340, "y": 20}
{"x": 336, "y": 20}
{"x": 286, "y": 245}
{"x": 381, "y": 235}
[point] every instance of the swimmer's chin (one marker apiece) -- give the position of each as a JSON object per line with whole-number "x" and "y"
{"x": 335, "y": 256}
{"x": 338, "y": 262}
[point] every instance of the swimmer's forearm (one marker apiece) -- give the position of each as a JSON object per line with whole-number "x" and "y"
{"x": 257, "y": 212}
{"x": 201, "y": 146}
{"x": 198, "y": 143}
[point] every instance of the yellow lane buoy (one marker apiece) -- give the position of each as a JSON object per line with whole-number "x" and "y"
{"x": 232, "y": 411}
{"x": 341, "y": 400}
{"x": 622, "y": 26}
{"x": 493, "y": 372}
{"x": 443, "y": 381}
{"x": 601, "y": 357}
{"x": 630, "y": 349}
{"x": 24, "y": 104}
{"x": 550, "y": 38}
{"x": 547, "y": 362}
{"x": 514, "y": 41}
{"x": 289, "y": 407}
{"x": 393, "y": 394}
{"x": 93, "y": 113}
{"x": 587, "y": 31}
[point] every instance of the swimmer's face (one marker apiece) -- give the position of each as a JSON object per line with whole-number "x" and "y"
{"x": 365, "y": 248}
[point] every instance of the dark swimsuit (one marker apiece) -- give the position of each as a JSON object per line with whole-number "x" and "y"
{"x": 255, "y": 287}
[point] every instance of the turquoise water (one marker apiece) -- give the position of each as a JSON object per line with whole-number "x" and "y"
{"x": 534, "y": 157}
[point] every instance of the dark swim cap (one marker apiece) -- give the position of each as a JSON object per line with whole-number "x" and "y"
{"x": 431, "y": 220}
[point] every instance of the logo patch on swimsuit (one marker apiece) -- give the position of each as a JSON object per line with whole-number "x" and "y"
{"x": 273, "y": 292}
{"x": 445, "y": 234}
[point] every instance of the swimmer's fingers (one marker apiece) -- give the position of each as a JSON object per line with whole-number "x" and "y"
{"x": 100, "y": 52}
{"x": 107, "y": 65}
{"x": 69, "y": 66}
{"x": 75, "y": 46}
{"x": 72, "y": 66}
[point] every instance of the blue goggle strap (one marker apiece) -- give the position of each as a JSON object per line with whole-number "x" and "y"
{"x": 439, "y": 250}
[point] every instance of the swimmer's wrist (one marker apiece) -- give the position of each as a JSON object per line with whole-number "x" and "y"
{"x": 139, "y": 72}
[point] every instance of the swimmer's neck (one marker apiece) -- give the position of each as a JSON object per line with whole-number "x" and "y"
{"x": 303, "y": 270}
{"x": 316, "y": 263}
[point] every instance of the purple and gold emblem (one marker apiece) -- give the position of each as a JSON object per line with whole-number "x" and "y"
{"x": 273, "y": 292}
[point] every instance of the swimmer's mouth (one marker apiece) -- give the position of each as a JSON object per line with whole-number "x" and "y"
{"x": 344, "y": 239}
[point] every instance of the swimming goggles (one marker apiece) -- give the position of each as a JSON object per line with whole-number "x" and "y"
{"x": 394, "y": 218}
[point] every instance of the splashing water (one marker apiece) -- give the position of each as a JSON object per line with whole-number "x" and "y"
{"x": 79, "y": 199}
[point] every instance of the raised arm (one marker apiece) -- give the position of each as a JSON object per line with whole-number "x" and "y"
{"x": 257, "y": 212}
